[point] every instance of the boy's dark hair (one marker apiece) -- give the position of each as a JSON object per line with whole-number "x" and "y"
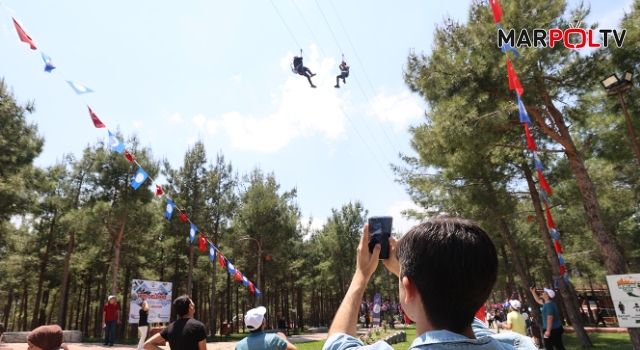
{"x": 181, "y": 305}
{"x": 453, "y": 264}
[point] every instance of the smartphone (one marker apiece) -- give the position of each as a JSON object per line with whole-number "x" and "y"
{"x": 533, "y": 286}
{"x": 379, "y": 232}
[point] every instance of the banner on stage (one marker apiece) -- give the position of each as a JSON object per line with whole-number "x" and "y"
{"x": 158, "y": 296}
{"x": 625, "y": 293}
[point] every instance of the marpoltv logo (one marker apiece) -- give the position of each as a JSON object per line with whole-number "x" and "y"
{"x": 573, "y": 37}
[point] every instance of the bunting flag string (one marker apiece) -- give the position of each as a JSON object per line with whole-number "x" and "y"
{"x": 514, "y": 84}
{"x": 141, "y": 175}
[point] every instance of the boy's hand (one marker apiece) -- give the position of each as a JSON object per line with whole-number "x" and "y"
{"x": 367, "y": 262}
{"x": 392, "y": 263}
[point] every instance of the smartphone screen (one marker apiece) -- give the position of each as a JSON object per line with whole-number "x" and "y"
{"x": 379, "y": 232}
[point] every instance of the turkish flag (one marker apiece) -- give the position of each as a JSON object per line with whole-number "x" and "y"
{"x": 96, "y": 121}
{"x": 543, "y": 182}
{"x": 223, "y": 262}
{"x": 203, "y": 243}
{"x": 514, "y": 82}
{"x": 183, "y": 217}
{"x": 530, "y": 143}
{"x": 238, "y": 275}
{"x": 549, "y": 218}
{"x": 159, "y": 191}
{"x": 23, "y": 36}
{"x": 129, "y": 156}
{"x": 497, "y": 10}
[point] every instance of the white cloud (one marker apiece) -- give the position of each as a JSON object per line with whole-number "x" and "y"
{"x": 175, "y": 118}
{"x": 237, "y": 78}
{"x": 137, "y": 124}
{"x": 300, "y": 111}
{"x": 211, "y": 126}
{"x": 192, "y": 140}
{"x": 398, "y": 109}
{"x": 402, "y": 224}
{"x": 316, "y": 225}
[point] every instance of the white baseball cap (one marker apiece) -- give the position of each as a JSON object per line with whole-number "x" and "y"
{"x": 549, "y": 292}
{"x": 111, "y": 297}
{"x": 515, "y": 304}
{"x": 254, "y": 317}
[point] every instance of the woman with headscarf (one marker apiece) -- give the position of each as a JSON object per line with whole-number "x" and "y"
{"x": 46, "y": 338}
{"x": 143, "y": 323}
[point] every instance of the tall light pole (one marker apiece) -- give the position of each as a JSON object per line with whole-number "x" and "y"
{"x": 616, "y": 86}
{"x": 259, "y": 243}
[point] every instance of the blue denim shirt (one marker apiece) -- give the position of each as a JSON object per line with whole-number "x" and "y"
{"x": 436, "y": 340}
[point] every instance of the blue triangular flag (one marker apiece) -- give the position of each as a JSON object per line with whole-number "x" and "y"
{"x": 524, "y": 117}
{"x": 258, "y": 292}
{"x": 245, "y": 280}
{"x": 115, "y": 143}
{"x": 561, "y": 258}
{"x": 555, "y": 283}
{"x": 536, "y": 161}
{"x": 506, "y": 46}
{"x": 554, "y": 233}
{"x": 141, "y": 175}
{"x": 79, "y": 89}
{"x": 212, "y": 249}
{"x": 231, "y": 268}
{"x": 48, "y": 65}
{"x": 169, "y": 209}
{"x": 566, "y": 279}
{"x": 192, "y": 232}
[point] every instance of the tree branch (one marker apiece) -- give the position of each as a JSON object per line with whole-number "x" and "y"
{"x": 526, "y": 149}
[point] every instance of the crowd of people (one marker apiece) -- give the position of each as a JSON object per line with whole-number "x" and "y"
{"x": 441, "y": 288}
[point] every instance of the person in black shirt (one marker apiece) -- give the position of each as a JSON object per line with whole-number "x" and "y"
{"x": 184, "y": 334}
{"x": 302, "y": 70}
{"x": 344, "y": 73}
{"x": 143, "y": 324}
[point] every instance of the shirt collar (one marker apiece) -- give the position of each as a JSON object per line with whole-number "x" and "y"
{"x": 444, "y": 336}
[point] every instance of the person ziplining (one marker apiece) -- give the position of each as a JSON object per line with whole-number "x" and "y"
{"x": 299, "y": 68}
{"x": 344, "y": 73}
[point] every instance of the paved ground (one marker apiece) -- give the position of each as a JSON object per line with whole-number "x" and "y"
{"x": 210, "y": 346}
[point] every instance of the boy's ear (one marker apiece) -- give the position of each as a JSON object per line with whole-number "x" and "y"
{"x": 411, "y": 292}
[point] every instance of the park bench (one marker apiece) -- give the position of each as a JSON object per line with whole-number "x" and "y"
{"x": 21, "y": 337}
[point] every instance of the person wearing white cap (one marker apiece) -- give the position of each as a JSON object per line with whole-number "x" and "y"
{"x": 258, "y": 339}
{"x": 515, "y": 320}
{"x": 110, "y": 316}
{"x": 551, "y": 322}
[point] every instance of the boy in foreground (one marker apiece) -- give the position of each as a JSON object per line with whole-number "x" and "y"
{"x": 447, "y": 267}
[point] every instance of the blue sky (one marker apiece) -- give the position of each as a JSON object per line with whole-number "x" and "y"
{"x": 219, "y": 72}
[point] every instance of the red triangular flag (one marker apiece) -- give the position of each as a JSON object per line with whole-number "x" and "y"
{"x": 251, "y": 288}
{"x": 558, "y": 247}
{"x": 497, "y": 10}
{"x": 514, "y": 82}
{"x": 549, "y": 218}
{"x": 183, "y": 218}
{"x": 543, "y": 183}
{"x": 129, "y": 156}
{"x": 530, "y": 143}
{"x": 23, "y": 36}
{"x": 203, "y": 241}
{"x": 223, "y": 262}
{"x": 562, "y": 270}
{"x": 159, "y": 190}
{"x": 238, "y": 275}
{"x": 96, "y": 121}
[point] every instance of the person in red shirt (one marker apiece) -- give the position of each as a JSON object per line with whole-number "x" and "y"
{"x": 110, "y": 316}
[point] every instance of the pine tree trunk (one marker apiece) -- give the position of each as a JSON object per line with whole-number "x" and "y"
{"x": 190, "y": 273}
{"x": 43, "y": 268}
{"x": 515, "y": 255}
{"x": 116, "y": 259}
{"x": 573, "y": 309}
{"x": 62, "y": 304}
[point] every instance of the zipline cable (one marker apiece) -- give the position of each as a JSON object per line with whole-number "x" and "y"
{"x": 360, "y": 62}
{"x": 357, "y": 81}
{"x": 349, "y": 96}
{"x": 343, "y": 111}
